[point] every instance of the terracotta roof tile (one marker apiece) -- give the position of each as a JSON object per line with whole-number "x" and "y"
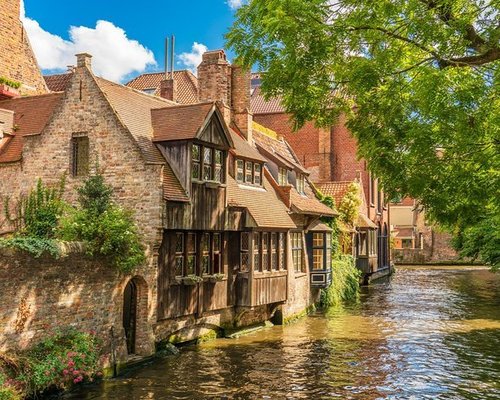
{"x": 263, "y": 204}
{"x": 187, "y": 85}
{"x": 31, "y": 115}
{"x": 336, "y": 190}
{"x": 172, "y": 189}
{"x": 244, "y": 149}
{"x": 259, "y": 105}
{"x": 58, "y": 82}
{"x": 309, "y": 204}
{"x": 133, "y": 108}
{"x": 179, "y": 122}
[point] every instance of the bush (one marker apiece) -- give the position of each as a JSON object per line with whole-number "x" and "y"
{"x": 7, "y": 391}
{"x": 56, "y": 363}
{"x": 33, "y": 245}
{"x": 345, "y": 282}
{"x": 9, "y": 82}
{"x": 108, "y": 230}
{"x": 37, "y": 214}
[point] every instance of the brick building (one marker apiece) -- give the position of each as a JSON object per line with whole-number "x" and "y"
{"x": 232, "y": 232}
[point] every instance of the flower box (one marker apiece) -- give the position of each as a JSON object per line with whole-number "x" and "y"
{"x": 216, "y": 278}
{"x": 191, "y": 280}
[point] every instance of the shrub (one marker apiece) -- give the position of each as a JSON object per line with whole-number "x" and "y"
{"x": 58, "y": 362}
{"x": 37, "y": 214}
{"x": 33, "y": 245}
{"x": 9, "y": 82}
{"x": 345, "y": 282}
{"x": 7, "y": 390}
{"x": 107, "y": 229}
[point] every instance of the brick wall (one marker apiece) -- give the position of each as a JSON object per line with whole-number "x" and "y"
{"x": 43, "y": 294}
{"x": 17, "y": 61}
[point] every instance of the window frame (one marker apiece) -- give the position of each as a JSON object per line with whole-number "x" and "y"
{"x": 210, "y": 164}
{"x": 250, "y": 171}
{"x": 298, "y": 252}
{"x": 282, "y": 176}
{"x": 301, "y": 184}
{"x": 79, "y": 169}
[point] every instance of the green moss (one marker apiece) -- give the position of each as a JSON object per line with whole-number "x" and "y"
{"x": 295, "y": 317}
{"x": 210, "y": 335}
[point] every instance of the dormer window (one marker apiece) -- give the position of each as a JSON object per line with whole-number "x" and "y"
{"x": 282, "y": 176}
{"x": 207, "y": 164}
{"x": 248, "y": 172}
{"x": 301, "y": 183}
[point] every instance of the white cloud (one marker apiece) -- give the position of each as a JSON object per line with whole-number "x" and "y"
{"x": 235, "y": 4}
{"x": 192, "y": 59}
{"x": 114, "y": 55}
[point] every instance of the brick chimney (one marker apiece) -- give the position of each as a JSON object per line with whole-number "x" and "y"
{"x": 214, "y": 80}
{"x": 84, "y": 60}
{"x": 168, "y": 89}
{"x": 240, "y": 100}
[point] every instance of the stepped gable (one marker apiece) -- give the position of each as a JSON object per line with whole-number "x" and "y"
{"x": 31, "y": 115}
{"x": 187, "y": 85}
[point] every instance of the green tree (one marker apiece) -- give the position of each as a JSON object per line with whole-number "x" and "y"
{"x": 418, "y": 82}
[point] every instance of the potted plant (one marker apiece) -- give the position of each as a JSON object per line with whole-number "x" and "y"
{"x": 216, "y": 278}
{"x": 9, "y": 88}
{"x": 191, "y": 280}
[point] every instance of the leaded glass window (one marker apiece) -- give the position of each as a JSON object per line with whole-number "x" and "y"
{"x": 240, "y": 170}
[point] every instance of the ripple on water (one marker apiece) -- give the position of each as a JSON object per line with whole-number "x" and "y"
{"x": 425, "y": 334}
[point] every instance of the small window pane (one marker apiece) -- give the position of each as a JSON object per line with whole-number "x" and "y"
{"x": 257, "y": 174}
{"x": 218, "y": 157}
{"x": 317, "y": 240}
{"x": 195, "y": 171}
{"x": 179, "y": 266}
{"x": 239, "y": 170}
{"x": 318, "y": 259}
{"x": 245, "y": 238}
{"x": 248, "y": 172}
{"x": 196, "y": 152}
{"x": 256, "y": 251}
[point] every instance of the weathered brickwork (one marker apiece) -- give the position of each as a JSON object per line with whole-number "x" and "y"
{"x": 41, "y": 295}
{"x": 17, "y": 61}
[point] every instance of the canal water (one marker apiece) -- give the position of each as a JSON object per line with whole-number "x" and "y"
{"x": 427, "y": 333}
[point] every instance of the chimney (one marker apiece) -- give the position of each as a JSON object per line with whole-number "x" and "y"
{"x": 240, "y": 100}
{"x": 84, "y": 60}
{"x": 168, "y": 86}
{"x": 214, "y": 81}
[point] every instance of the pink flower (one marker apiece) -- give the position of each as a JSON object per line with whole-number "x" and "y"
{"x": 76, "y": 372}
{"x": 65, "y": 372}
{"x": 71, "y": 363}
{"x": 75, "y": 380}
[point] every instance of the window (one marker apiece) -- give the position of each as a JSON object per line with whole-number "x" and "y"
{"x": 186, "y": 254}
{"x": 362, "y": 243}
{"x": 301, "y": 184}
{"x": 266, "y": 266}
{"x": 321, "y": 250}
{"x": 297, "y": 251}
{"x": 282, "y": 251}
{"x": 256, "y": 251}
{"x": 207, "y": 164}
{"x": 239, "y": 170}
{"x": 379, "y": 201}
{"x": 79, "y": 155}
{"x": 274, "y": 251}
{"x": 179, "y": 254}
{"x": 191, "y": 254}
{"x": 244, "y": 248}
{"x": 372, "y": 190}
{"x": 248, "y": 172}
{"x": 282, "y": 176}
{"x": 196, "y": 162}
{"x": 257, "y": 174}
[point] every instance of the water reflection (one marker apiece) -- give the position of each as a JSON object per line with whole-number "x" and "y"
{"x": 425, "y": 334}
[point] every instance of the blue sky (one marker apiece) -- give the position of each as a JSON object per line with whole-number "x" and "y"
{"x": 130, "y": 37}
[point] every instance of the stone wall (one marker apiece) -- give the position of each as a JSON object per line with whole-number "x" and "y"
{"x": 17, "y": 61}
{"x": 39, "y": 295}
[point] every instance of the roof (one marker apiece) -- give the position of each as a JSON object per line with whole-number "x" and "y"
{"x": 180, "y": 122}
{"x": 405, "y": 233}
{"x": 58, "y": 82}
{"x": 336, "y": 190}
{"x": 263, "y": 205}
{"x": 308, "y": 203}
{"x": 133, "y": 109}
{"x": 365, "y": 222}
{"x": 31, "y": 115}
{"x": 172, "y": 189}
{"x": 278, "y": 149}
{"x": 318, "y": 226}
{"x": 243, "y": 149}
{"x": 187, "y": 85}
{"x": 259, "y": 105}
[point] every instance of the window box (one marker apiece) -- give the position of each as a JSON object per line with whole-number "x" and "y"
{"x": 215, "y": 278}
{"x": 177, "y": 280}
{"x": 8, "y": 92}
{"x": 191, "y": 280}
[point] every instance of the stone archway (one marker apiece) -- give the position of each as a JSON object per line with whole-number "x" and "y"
{"x": 135, "y": 316}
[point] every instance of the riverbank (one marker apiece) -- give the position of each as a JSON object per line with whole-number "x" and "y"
{"x": 428, "y": 332}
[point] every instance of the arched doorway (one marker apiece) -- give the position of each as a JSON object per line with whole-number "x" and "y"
{"x": 130, "y": 315}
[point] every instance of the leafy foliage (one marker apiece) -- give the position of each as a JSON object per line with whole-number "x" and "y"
{"x": 107, "y": 229}
{"x": 33, "y": 245}
{"x": 349, "y": 205}
{"x": 417, "y": 80}
{"x": 58, "y": 362}
{"x": 345, "y": 282}
{"x": 9, "y": 82}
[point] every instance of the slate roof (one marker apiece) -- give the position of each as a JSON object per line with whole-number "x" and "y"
{"x": 266, "y": 209}
{"x": 58, "y": 82}
{"x": 179, "y": 122}
{"x": 31, "y": 115}
{"x": 187, "y": 85}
